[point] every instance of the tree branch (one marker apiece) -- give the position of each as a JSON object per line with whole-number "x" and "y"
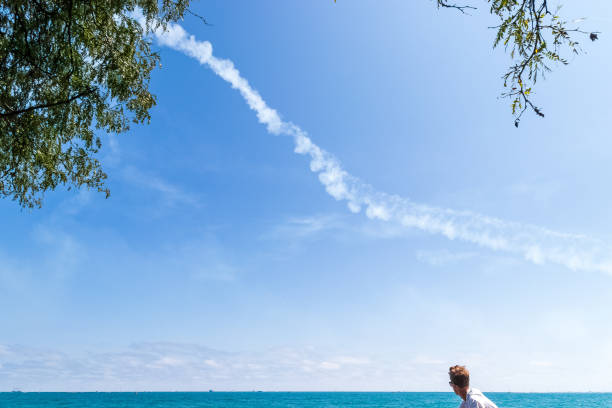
{"x": 445, "y": 4}
{"x": 10, "y": 114}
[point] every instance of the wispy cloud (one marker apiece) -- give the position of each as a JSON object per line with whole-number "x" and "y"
{"x": 192, "y": 367}
{"x": 443, "y": 257}
{"x": 536, "y": 244}
{"x": 62, "y": 253}
{"x": 112, "y": 150}
{"x": 59, "y": 257}
{"x": 177, "y": 366}
{"x": 169, "y": 194}
{"x": 63, "y": 257}
{"x": 297, "y": 228}
{"x": 200, "y": 260}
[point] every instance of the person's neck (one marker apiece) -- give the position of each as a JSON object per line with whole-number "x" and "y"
{"x": 463, "y": 393}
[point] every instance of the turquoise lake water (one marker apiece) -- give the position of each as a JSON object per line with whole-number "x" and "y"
{"x": 290, "y": 400}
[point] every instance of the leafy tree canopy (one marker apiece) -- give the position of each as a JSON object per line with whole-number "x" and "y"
{"x": 536, "y": 37}
{"x": 67, "y": 69}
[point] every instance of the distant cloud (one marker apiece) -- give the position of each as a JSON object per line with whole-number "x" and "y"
{"x": 176, "y": 366}
{"x": 443, "y": 257}
{"x": 170, "y": 366}
{"x": 536, "y": 244}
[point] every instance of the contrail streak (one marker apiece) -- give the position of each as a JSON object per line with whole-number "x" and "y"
{"x": 536, "y": 244}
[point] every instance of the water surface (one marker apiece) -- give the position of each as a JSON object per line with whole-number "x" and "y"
{"x": 290, "y": 400}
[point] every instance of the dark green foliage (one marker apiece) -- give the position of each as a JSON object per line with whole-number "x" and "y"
{"x": 535, "y": 37}
{"x": 69, "y": 69}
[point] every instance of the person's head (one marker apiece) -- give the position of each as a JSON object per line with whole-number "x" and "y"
{"x": 459, "y": 379}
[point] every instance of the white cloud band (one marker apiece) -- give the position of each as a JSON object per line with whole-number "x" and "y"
{"x": 536, "y": 244}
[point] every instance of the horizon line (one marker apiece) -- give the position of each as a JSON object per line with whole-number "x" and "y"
{"x": 212, "y": 391}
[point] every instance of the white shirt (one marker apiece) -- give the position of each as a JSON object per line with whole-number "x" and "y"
{"x": 476, "y": 399}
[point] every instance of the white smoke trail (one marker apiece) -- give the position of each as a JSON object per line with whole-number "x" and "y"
{"x": 536, "y": 244}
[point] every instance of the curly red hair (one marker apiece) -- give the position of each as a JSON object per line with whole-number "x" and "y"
{"x": 459, "y": 375}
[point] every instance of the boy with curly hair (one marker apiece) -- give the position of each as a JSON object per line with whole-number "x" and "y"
{"x": 472, "y": 398}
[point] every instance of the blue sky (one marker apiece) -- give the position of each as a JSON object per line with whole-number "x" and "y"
{"x": 220, "y": 261}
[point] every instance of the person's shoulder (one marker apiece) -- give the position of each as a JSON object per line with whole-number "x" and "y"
{"x": 478, "y": 400}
